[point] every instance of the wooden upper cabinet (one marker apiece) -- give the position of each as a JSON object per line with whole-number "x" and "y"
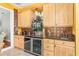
{"x": 25, "y": 18}
{"x": 60, "y": 15}
{"x": 71, "y": 14}
{"x": 64, "y": 14}
{"x": 49, "y": 15}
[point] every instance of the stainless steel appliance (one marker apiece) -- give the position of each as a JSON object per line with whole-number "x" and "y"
{"x": 37, "y": 46}
{"x": 27, "y": 44}
{"x": 33, "y": 45}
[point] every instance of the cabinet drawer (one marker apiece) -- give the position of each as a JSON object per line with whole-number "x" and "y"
{"x": 21, "y": 37}
{"x": 59, "y": 42}
{"x": 48, "y": 44}
{"x": 15, "y": 35}
{"x": 47, "y": 41}
{"x": 67, "y": 43}
{"x": 49, "y": 48}
{"x": 21, "y": 40}
{"x": 15, "y": 38}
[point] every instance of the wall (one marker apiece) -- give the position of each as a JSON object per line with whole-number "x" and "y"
{"x": 9, "y": 6}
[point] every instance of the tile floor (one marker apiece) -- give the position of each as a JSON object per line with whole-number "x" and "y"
{"x": 15, "y": 52}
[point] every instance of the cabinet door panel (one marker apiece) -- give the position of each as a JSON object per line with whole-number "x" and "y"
{"x": 61, "y": 14}
{"x": 49, "y": 15}
{"x": 15, "y": 41}
{"x": 64, "y": 14}
{"x": 70, "y": 12}
{"x": 48, "y": 53}
{"x": 48, "y": 47}
{"x": 25, "y": 18}
{"x": 21, "y": 42}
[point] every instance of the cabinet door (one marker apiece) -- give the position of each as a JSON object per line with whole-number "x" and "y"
{"x": 48, "y": 47}
{"x": 48, "y": 44}
{"x": 25, "y": 18}
{"x": 49, "y": 15}
{"x": 64, "y": 14}
{"x": 21, "y": 42}
{"x": 70, "y": 11}
{"x": 16, "y": 41}
{"x": 64, "y": 51}
{"x": 48, "y": 53}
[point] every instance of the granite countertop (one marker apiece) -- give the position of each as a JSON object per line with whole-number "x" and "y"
{"x": 57, "y": 38}
{"x": 33, "y": 37}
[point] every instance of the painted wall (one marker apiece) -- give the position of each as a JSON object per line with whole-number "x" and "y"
{"x": 9, "y": 6}
{"x": 5, "y": 21}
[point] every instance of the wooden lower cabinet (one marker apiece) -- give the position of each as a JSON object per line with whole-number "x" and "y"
{"x": 16, "y": 41}
{"x": 65, "y": 48}
{"x": 19, "y": 41}
{"x": 48, "y": 47}
{"x": 61, "y": 50}
{"x": 48, "y": 52}
{"x": 53, "y": 47}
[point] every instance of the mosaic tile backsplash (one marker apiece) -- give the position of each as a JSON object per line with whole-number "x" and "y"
{"x": 56, "y": 32}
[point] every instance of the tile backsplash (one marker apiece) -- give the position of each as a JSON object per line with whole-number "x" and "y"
{"x": 57, "y": 31}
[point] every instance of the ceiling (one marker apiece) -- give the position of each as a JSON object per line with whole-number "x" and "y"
{"x": 22, "y": 4}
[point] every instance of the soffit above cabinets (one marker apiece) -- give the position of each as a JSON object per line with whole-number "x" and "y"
{"x": 21, "y": 5}
{"x": 26, "y": 6}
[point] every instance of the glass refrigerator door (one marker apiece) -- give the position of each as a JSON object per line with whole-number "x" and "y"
{"x": 27, "y": 44}
{"x": 37, "y": 46}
